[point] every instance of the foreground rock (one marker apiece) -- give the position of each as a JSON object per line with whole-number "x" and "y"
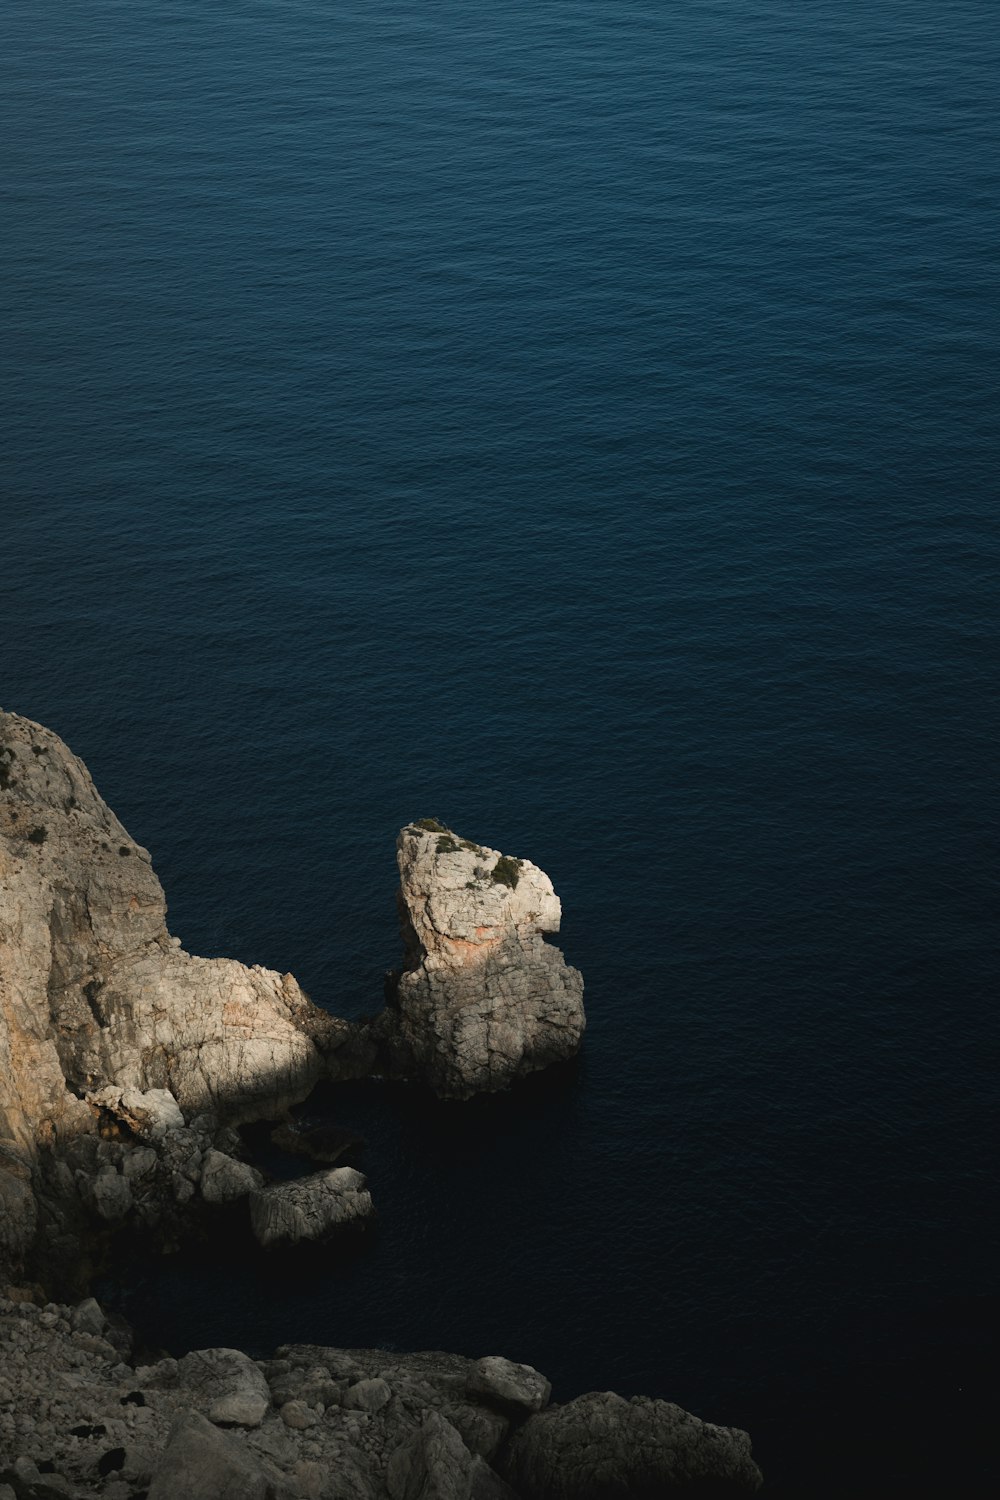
{"x": 482, "y": 998}
{"x": 317, "y": 1423}
{"x": 600, "y": 1446}
{"x": 202, "y": 1463}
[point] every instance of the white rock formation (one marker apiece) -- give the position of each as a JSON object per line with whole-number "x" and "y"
{"x": 482, "y": 998}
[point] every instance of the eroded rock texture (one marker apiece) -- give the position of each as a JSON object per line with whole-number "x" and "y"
{"x": 482, "y": 997}
{"x": 95, "y": 993}
{"x": 318, "y": 1423}
{"x": 601, "y": 1446}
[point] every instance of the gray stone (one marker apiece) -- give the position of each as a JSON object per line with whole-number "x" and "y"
{"x": 311, "y": 1207}
{"x": 226, "y": 1385}
{"x": 434, "y": 1464}
{"x": 223, "y": 1180}
{"x": 367, "y": 1395}
{"x": 600, "y": 1447}
{"x": 487, "y": 1484}
{"x": 202, "y": 1463}
{"x": 88, "y": 1317}
{"x": 501, "y": 1380}
{"x": 111, "y": 1194}
{"x": 298, "y": 1415}
{"x": 139, "y": 1163}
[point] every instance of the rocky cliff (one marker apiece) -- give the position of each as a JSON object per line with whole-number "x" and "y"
{"x": 124, "y": 1064}
{"x": 482, "y": 998}
{"x": 96, "y": 994}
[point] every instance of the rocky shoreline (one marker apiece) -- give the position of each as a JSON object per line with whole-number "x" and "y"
{"x": 126, "y": 1065}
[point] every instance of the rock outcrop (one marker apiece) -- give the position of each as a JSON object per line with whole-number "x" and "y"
{"x": 124, "y": 1065}
{"x": 601, "y": 1445}
{"x": 482, "y": 998}
{"x": 96, "y": 995}
{"x": 310, "y": 1208}
{"x": 317, "y": 1423}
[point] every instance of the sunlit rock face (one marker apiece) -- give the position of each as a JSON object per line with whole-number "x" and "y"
{"x": 95, "y": 992}
{"x": 482, "y": 997}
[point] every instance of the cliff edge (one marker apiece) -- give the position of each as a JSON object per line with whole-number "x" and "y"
{"x": 95, "y": 994}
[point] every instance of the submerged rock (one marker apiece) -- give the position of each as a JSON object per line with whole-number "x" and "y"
{"x": 482, "y": 998}
{"x": 320, "y": 1143}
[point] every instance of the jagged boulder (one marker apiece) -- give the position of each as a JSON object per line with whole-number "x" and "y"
{"x": 202, "y": 1463}
{"x": 433, "y": 1464}
{"x": 601, "y": 1447}
{"x": 482, "y": 997}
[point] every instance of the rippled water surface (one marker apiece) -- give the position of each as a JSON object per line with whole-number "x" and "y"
{"x": 574, "y": 420}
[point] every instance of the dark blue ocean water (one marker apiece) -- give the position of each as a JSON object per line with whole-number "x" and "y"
{"x": 576, "y": 421}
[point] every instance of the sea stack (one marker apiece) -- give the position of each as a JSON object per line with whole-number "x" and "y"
{"x": 481, "y": 998}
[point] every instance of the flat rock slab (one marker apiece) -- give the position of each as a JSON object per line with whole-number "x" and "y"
{"x": 311, "y": 1207}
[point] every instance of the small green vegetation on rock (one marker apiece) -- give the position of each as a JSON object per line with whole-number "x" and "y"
{"x": 506, "y": 871}
{"x": 446, "y": 844}
{"x": 430, "y": 825}
{"x": 38, "y": 834}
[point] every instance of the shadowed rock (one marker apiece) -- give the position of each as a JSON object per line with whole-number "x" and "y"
{"x": 601, "y": 1447}
{"x": 95, "y": 995}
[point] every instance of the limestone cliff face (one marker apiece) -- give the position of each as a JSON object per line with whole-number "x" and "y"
{"x": 482, "y": 998}
{"x": 93, "y": 989}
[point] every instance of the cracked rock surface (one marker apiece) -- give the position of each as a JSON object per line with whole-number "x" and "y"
{"x": 482, "y": 998}
{"x": 96, "y": 994}
{"x": 318, "y": 1423}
